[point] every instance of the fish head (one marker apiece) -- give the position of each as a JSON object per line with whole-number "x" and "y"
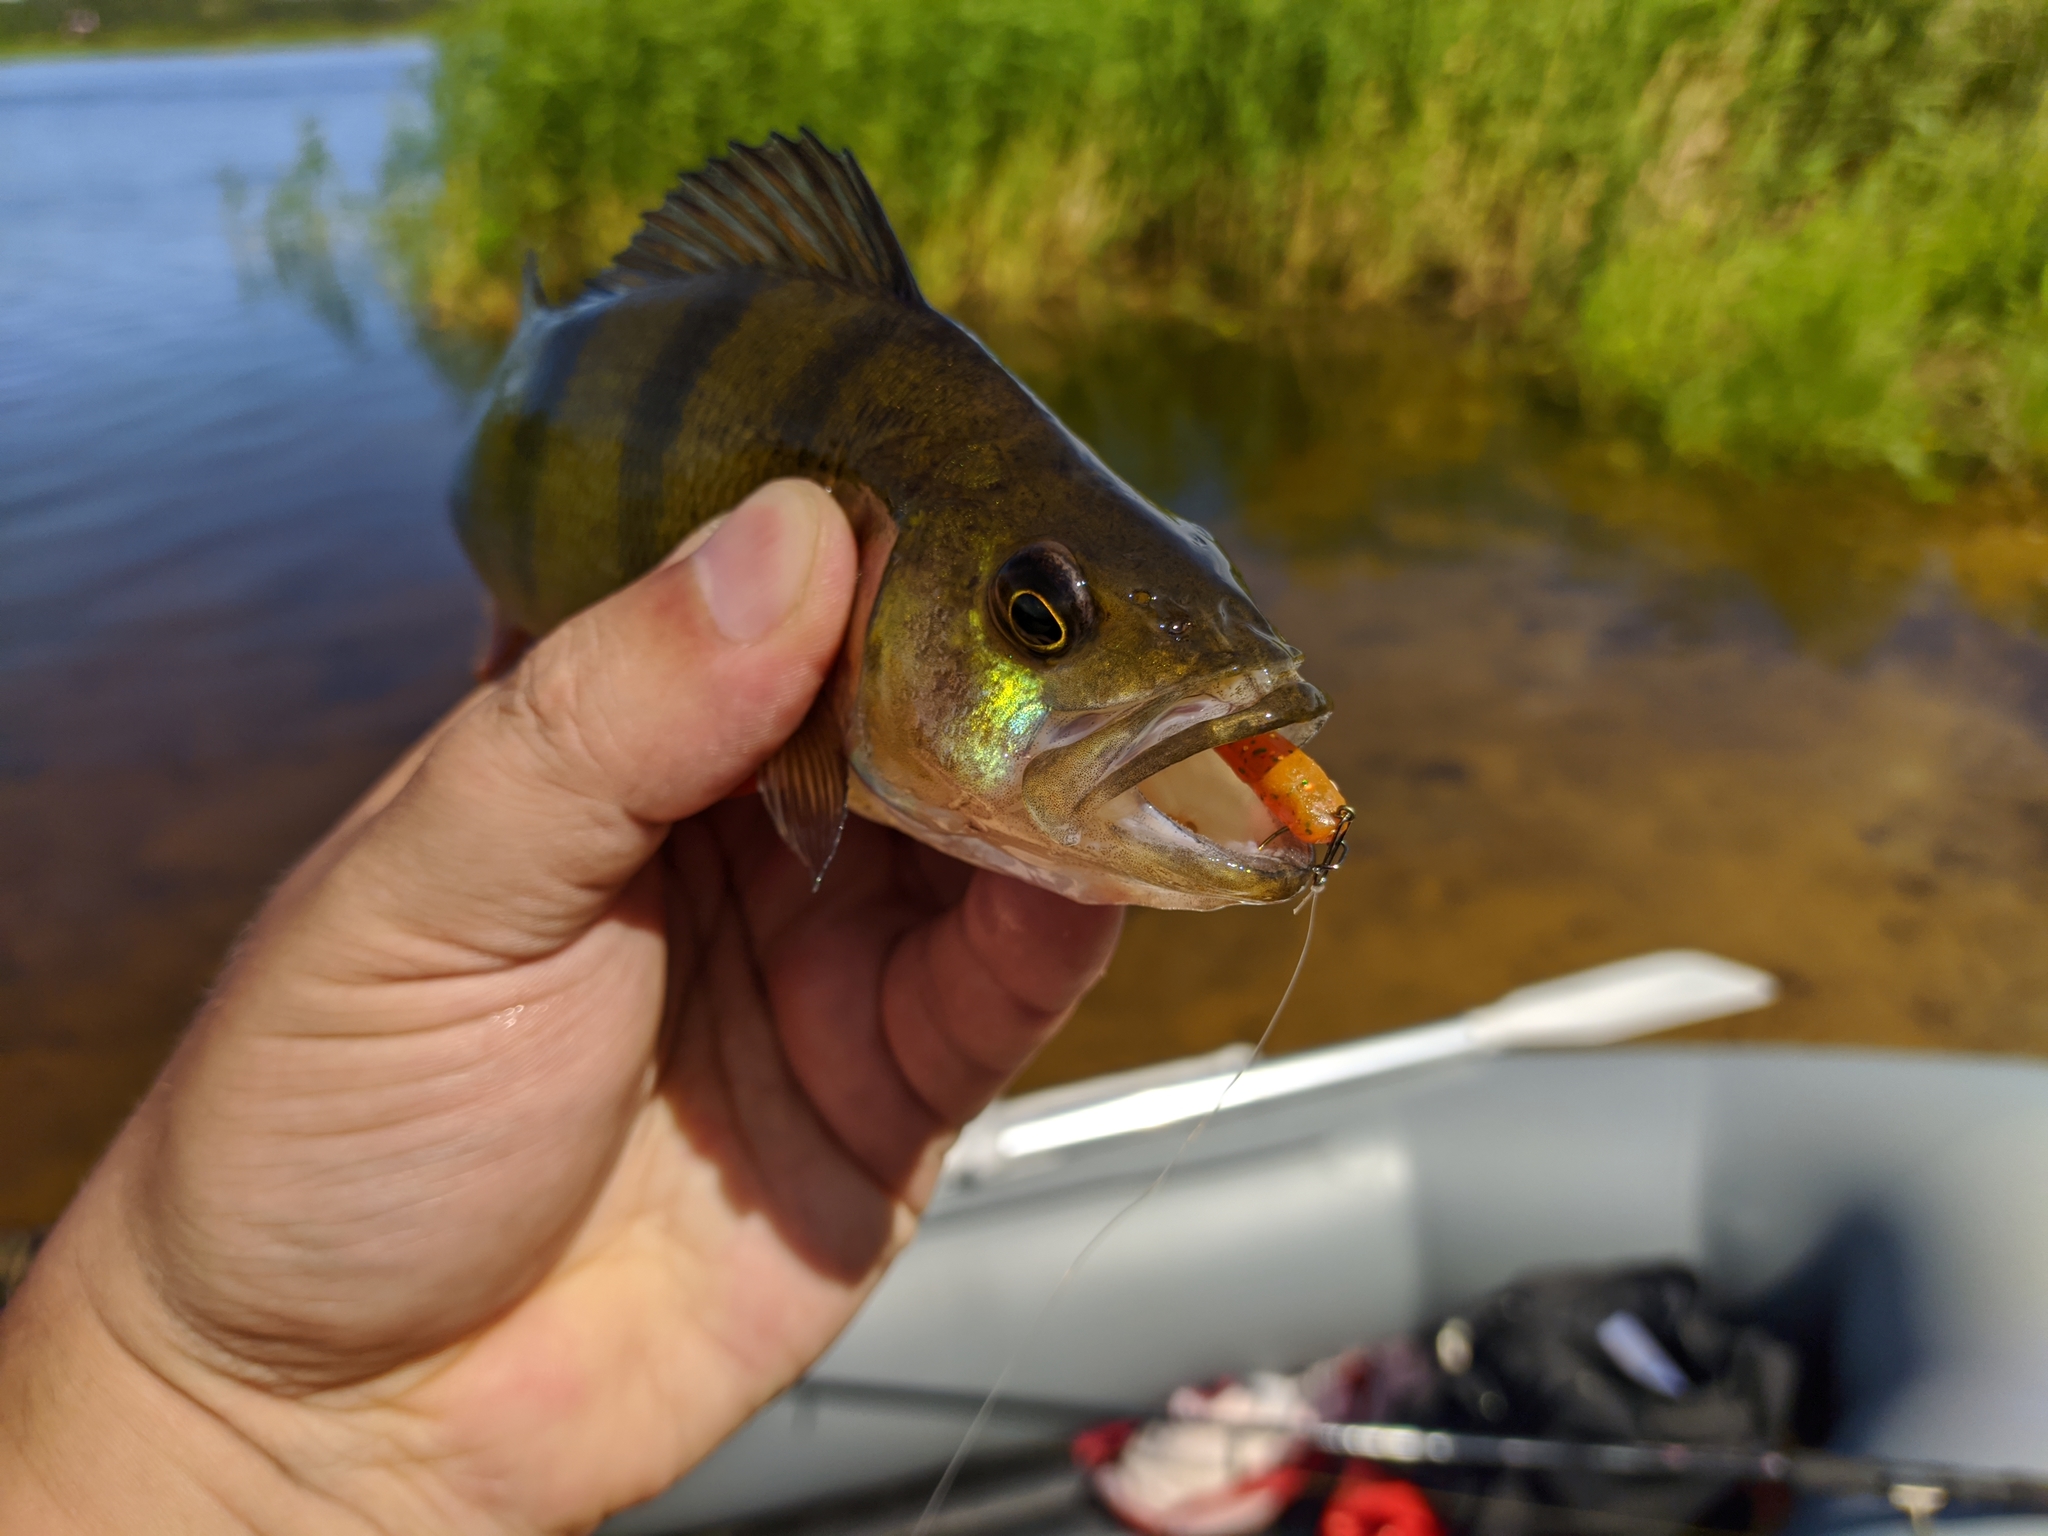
{"x": 1045, "y": 675}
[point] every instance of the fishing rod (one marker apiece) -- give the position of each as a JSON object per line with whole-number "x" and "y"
{"x": 1821, "y": 1472}
{"x": 1918, "y": 1489}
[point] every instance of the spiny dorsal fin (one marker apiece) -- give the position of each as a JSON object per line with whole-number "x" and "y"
{"x": 790, "y": 205}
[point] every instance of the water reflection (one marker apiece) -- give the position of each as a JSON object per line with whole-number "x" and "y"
{"x": 1586, "y": 704}
{"x": 311, "y": 227}
{"x": 227, "y": 592}
{"x": 1390, "y": 436}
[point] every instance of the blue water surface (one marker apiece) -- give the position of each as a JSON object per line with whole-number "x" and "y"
{"x": 196, "y": 466}
{"x": 229, "y": 594}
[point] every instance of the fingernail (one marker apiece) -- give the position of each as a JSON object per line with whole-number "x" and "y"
{"x": 699, "y": 537}
{"x": 757, "y": 562}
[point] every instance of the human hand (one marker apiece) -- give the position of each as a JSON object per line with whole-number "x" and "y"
{"x": 544, "y": 1124}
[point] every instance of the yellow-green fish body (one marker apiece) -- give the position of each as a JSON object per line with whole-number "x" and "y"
{"x": 1036, "y": 640}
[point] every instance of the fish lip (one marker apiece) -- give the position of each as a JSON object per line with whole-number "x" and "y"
{"x": 1294, "y": 702}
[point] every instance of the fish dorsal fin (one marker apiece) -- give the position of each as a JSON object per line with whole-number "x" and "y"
{"x": 789, "y": 206}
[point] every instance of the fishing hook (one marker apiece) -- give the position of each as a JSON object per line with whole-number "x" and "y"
{"x": 1332, "y": 855}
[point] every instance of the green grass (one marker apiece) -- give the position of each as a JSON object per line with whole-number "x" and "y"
{"x": 1767, "y": 231}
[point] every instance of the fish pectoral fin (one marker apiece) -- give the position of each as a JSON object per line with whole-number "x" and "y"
{"x": 804, "y": 787}
{"x": 502, "y": 648}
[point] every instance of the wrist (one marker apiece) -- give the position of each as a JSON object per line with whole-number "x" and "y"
{"x": 106, "y": 1425}
{"x": 92, "y": 1440}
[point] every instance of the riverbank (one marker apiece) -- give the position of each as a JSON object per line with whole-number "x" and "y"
{"x": 1759, "y": 232}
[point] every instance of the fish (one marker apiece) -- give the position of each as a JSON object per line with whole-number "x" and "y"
{"x": 1040, "y": 661}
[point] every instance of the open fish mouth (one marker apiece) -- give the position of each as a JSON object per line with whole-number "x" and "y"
{"x": 1172, "y": 791}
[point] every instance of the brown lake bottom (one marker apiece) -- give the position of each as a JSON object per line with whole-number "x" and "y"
{"x": 1543, "y": 786}
{"x": 1545, "y": 778}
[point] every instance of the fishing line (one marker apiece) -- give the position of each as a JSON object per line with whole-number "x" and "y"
{"x": 981, "y": 1417}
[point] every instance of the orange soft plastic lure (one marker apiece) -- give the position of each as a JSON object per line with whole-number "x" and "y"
{"x": 1302, "y": 797}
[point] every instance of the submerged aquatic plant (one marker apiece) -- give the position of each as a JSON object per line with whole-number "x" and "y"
{"x": 302, "y": 243}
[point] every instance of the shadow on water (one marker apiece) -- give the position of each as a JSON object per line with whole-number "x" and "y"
{"x": 1587, "y": 703}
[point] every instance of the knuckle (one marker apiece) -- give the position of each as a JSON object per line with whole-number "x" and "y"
{"x": 546, "y": 706}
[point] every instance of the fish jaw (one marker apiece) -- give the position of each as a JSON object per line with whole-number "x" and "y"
{"x": 1152, "y": 800}
{"x": 1130, "y": 807}
{"x": 972, "y": 841}
{"x": 986, "y": 846}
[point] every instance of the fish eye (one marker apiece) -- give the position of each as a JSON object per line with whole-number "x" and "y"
{"x": 1040, "y": 600}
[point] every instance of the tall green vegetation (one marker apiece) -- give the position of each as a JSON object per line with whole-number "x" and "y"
{"x": 1766, "y": 230}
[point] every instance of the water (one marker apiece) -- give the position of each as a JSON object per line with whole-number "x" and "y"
{"x": 227, "y": 592}
{"x": 1586, "y": 706}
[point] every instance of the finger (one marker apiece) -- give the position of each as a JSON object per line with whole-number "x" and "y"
{"x": 822, "y": 968}
{"x": 969, "y": 998}
{"x": 544, "y": 797}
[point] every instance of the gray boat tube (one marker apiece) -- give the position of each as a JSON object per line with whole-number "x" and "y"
{"x": 1891, "y": 1208}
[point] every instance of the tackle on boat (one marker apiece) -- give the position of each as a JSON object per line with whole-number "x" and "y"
{"x": 1041, "y": 665}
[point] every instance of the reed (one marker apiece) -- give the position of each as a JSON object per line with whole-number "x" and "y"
{"x": 1766, "y": 231}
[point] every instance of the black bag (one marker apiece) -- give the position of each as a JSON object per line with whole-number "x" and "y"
{"x": 1637, "y": 1354}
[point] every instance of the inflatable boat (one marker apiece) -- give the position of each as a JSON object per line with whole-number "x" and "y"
{"x": 1890, "y": 1210}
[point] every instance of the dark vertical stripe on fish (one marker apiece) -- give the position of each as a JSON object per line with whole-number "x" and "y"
{"x": 816, "y": 391}
{"x": 552, "y": 372}
{"x": 657, "y": 413}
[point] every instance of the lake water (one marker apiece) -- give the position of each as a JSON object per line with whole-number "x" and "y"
{"x": 227, "y": 591}
{"x": 1585, "y": 706}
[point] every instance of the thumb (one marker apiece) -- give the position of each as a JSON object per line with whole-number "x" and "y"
{"x": 537, "y": 804}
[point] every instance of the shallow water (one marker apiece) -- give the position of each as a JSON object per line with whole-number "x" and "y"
{"x": 227, "y": 592}
{"x": 1585, "y": 706}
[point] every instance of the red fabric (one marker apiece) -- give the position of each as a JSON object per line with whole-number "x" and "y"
{"x": 1366, "y": 1503}
{"x": 1103, "y": 1443}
